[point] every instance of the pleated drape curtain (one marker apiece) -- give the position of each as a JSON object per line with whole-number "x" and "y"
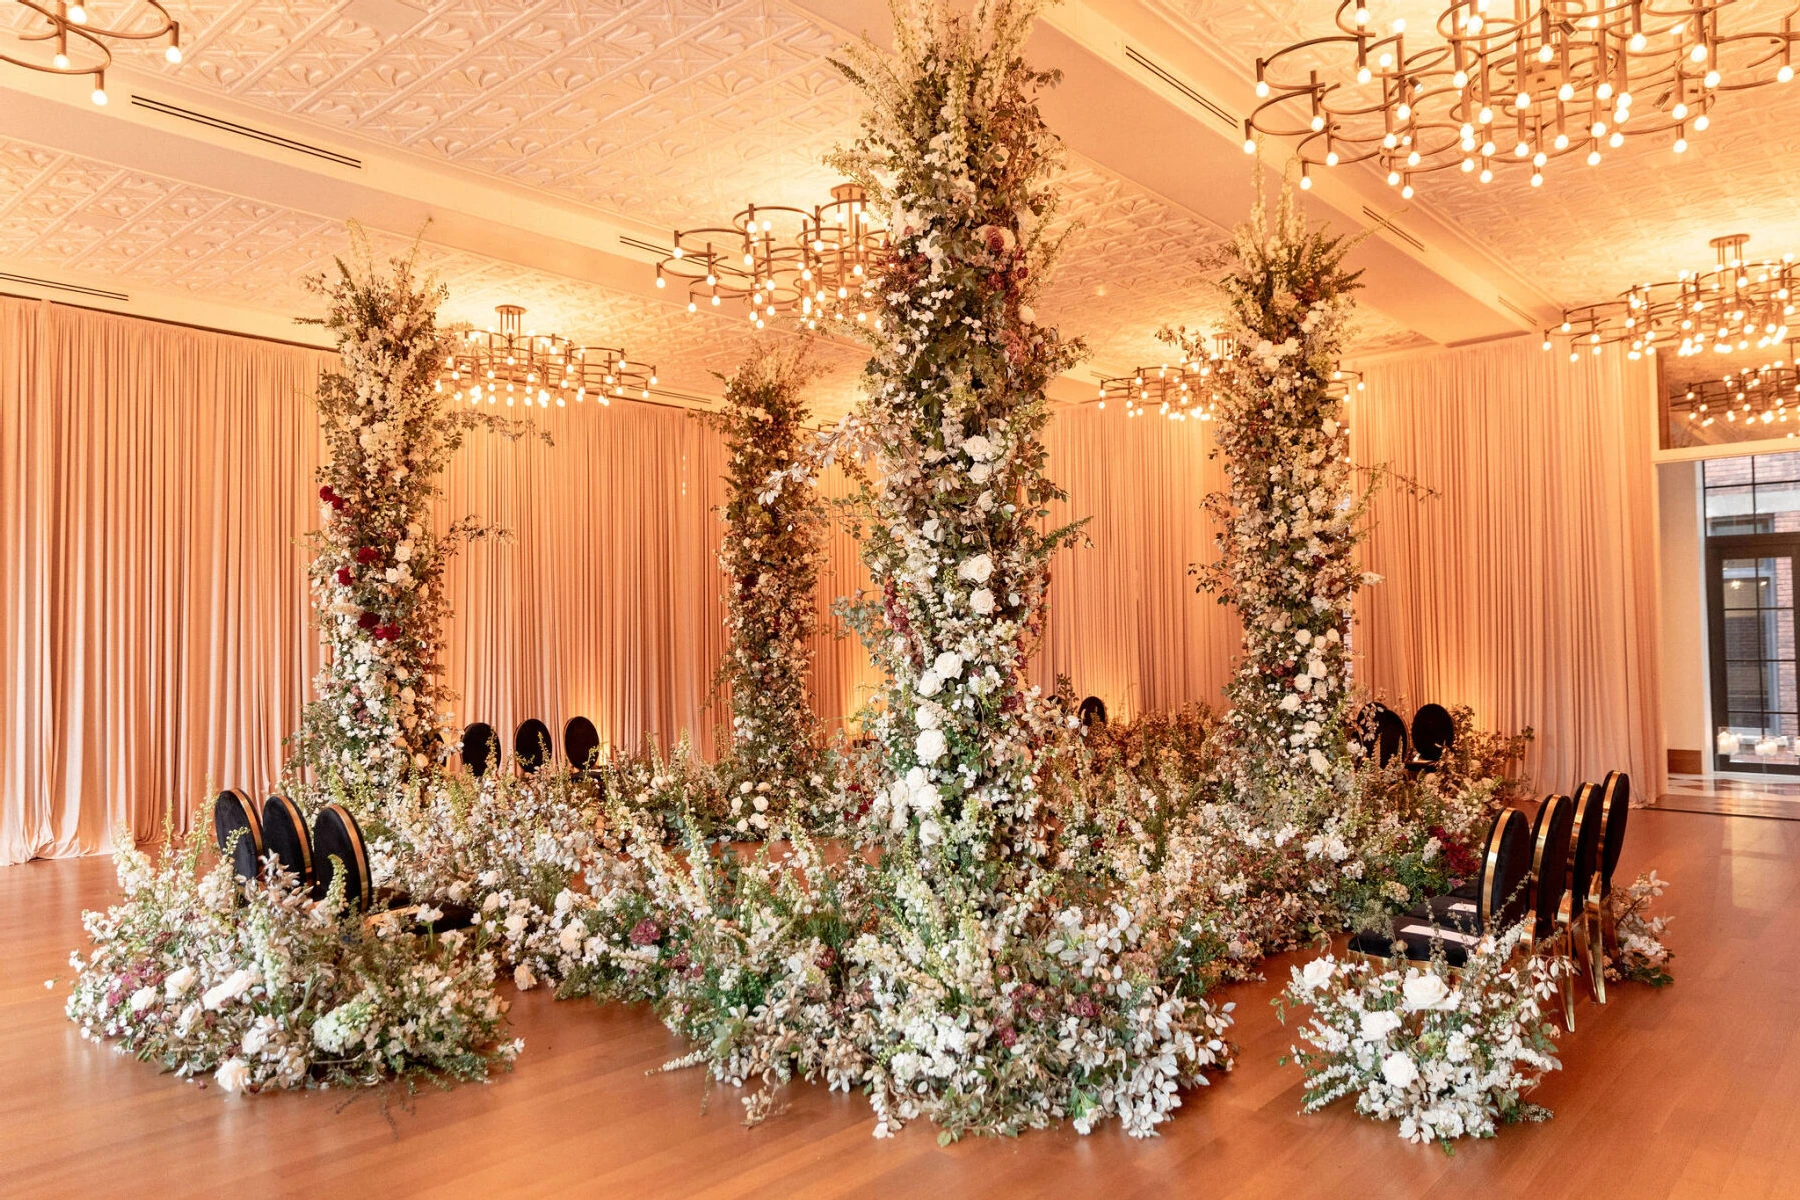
{"x": 1528, "y": 587}
{"x": 158, "y": 483}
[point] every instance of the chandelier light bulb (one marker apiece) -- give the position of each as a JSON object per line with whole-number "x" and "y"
{"x": 1468, "y": 165}
{"x": 1604, "y": 91}
{"x": 1593, "y": 158}
{"x": 1399, "y": 24}
{"x": 1331, "y": 158}
{"x": 1679, "y": 112}
{"x": 1537, "y": 179}
{"x": 1521, "y": 150}
{"x": 99, "y": 97}
{"x": 1562, "y": 141}
{"x": 1784, "y": 74}
{"x": 1522, "y": 100}
{"x": 1306, "y": 183}
{"x": 1407, "y": 192}
{"x": 1712, "y": 79}
{"x": 1249, "y": 145}
{"x": 1698, "y": 53}
{"x": 1702, "y": 121}
{"x": 77, "y": 15}
{"x": 173, "y": 55}
{"x": 1363, "y": 74}
{"x": 1616, "y": 140}
{"x": 1318, "y": 122}
{"x": 1460, "y": 79}
{"x": 1393, "y": 178}
{"x": 1566, "y": 92}
{"x": 1485, "y": 116}
{"x": 1487, "y": 176}
{"x": 60, "y": 62}
{"x": 1362, "y": 15}
{"x": 1638, "y": 41}
{"x": 1262, "y": 91}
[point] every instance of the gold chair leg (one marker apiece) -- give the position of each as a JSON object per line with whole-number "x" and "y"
{"x": 1596, "y": 950}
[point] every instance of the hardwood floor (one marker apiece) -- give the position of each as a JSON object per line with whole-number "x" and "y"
{"x": 1689, "y": 1091}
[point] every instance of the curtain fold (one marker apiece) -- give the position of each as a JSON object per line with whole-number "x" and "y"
{"x": 157, "y": 486}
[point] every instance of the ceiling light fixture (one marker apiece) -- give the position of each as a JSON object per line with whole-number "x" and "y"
{"x": 816, "y": 266}
{"x": 1189, "y": 390}
{"x": 78, "y": 45}
{"x": 1554, "y": 77}
{"x": 520, "y": 366}
{"x": 1738, "y": 305}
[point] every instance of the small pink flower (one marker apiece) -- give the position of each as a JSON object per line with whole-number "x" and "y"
{"x": 646, "y": 933}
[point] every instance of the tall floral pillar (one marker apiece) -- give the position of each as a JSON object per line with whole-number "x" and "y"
{"x": 954, "y": 149}
{"x": 378, "y": 561}
{"x": 1290, "y": 515}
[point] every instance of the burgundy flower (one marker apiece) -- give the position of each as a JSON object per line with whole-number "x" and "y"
{"x": 827, "y": 959}
{"x": 326, "y": 494}
{"x": 1085, "y": 1008}
{"x": 344, "y": 577}
{"x": 337, "y": 504}
{"x": 367, "y": 555}
{"x": 1006, "y": 1035}
{"x": 646, "y": 933}
{"x": 680, "y": 962}
{"x": 368, "y": 621}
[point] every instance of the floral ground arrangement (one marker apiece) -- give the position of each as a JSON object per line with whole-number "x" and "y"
{"x": 261, "y": 985}
{"x": 1014, "y": 921}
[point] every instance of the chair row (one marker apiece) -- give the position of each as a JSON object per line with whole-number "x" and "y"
{"x": 334, "y": 844}
{"x": 1557, "y": 876}
{"x": 1385, "y": 736}
{"x": 532, "y": 747}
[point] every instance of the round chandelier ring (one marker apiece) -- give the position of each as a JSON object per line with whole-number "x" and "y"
{"x": 1542, "y": 80}
{"x": 68, "y": 26}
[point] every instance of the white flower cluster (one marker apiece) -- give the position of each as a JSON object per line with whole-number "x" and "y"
{"x": 1446, "y": 1055}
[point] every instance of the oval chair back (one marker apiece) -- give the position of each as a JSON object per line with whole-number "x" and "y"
{"x": 338, "y": 843}
{"x": 1505, "y": 871}
{"x": 581, "y": 744}
{"x": 1615, "y": 805}
{"x": 479, "y": 748}
{"x": 1390, "y": 736}
{"x": 1433, "y": 732}
{"x": 1092, "y": 712}
{"x": 235, "y": 815}
{"x": 1585, "y": 841}
{"x": 1549, "y": 864}
{"x": 531, "y": 745}
{"x": 284, "y": 832}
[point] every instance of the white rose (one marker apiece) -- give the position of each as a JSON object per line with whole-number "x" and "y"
{"x": 929, "y": 684}
{"x": 1425, "y": 991}
{"x": 1399, "y": 1070}
{"x": 143, "y": 998}
{"x": 980, "y": 472}
{"x": 515, "y": 924}
{"x": 930, "y": 832}
{"x": 978, "y": 448}
{"x": 948, "y": 665}
{"x": 1026, "y": 315}
{"x": 570, "y": 938}
{"x": 1303, "y": 636}
{"x": 1316, "y": 974}
{"x": 930, "y": 745}
{"x": 178, "y": 982}
{"x": 975, "y": 570}
{"x": 1290, "y": 702}
{"x": 1377, "y": 1025}
{"x": 233, "y": 1075}
{"x": 492, "y": 902}
{"x": 929, "y": 716}
{"x": 233, "y": 986}
{"x": 981, "y": 602}
{"x": 523, "y": 979}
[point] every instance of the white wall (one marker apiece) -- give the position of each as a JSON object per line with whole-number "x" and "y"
{"x": 1686, "y": 698}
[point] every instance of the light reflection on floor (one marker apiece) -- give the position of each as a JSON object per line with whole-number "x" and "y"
{"x": 1774, "y": 797}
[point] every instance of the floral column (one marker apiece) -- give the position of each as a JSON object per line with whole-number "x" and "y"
{"x": 954, "y": 149}
{"x": 1290, "y": 515}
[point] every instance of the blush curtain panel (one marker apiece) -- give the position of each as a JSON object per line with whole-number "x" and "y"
{"x": 157, "y": 484}
{"x": 1528, "y": 588}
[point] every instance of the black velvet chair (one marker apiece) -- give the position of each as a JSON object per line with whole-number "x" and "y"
{"x": 284, "y": 833}
{"x": 235, "y": 814}
{"x": 1092, "y": 712}
{"x": 480, "y": 748}
{"x": 338, "y": 845}
{"x": 1615, "y": 807}
{"x": 532, "y": 745}
{"x": 1550, "y": 837}
{"x": 581, "y": 745}
{"x": 1382, "y": 734}
{"x": 1458, "y": 923}
{"x": 1585, "y": 839}
{"x": 1433, "y": 732}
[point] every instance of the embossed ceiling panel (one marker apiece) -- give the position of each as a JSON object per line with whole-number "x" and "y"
{"x": 665, "y": 110}
{"x": 1589, "y": 232}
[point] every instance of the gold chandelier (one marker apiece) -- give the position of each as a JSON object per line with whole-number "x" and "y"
{"x": 816, "y": 266}
{"x": 1736, "y": 306}
{"x": 1188, "y": 390}
{"x": 1755, "y": 396}
{"x": 518, "y": 366}
{"x": 1510, "y": 83}
{"x": 77, "y": 45}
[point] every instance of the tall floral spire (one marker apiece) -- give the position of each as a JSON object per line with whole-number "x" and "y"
{"x": 378, "y": 561}
{"x": 1290, "y": 516}
{"x": 955, "y": 151}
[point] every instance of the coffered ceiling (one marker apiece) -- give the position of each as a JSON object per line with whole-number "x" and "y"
{"x": 554, "y": 143}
